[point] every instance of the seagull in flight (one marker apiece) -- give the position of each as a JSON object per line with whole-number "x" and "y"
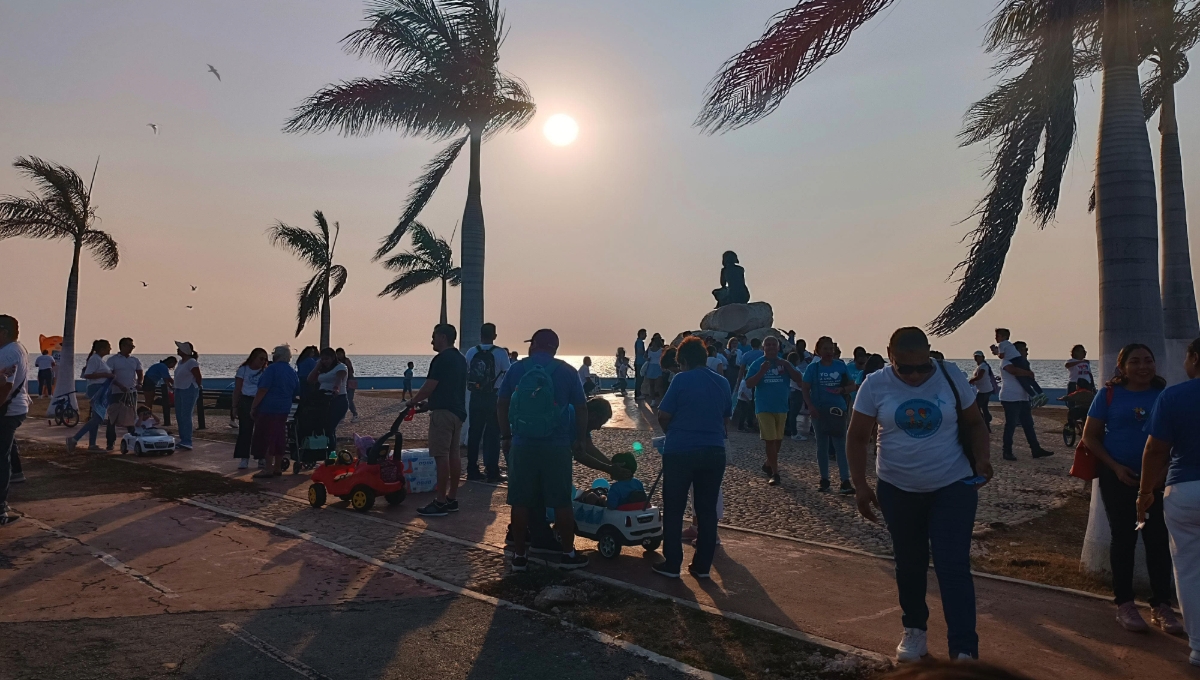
{"x": 144, "y": 284}
{"x": 189, "y": 306}
{"x": 213, "y": 70}
{"x": 153, "y": 127}
{"x": 193, "y": 288}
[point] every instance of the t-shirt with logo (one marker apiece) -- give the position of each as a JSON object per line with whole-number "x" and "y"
{"x": 771, "y": 393}
{"x": 824, "y": 383}
{"x": 1173, "y": 421}
{"x": 249, "y": 378}
{"x": 918, "y": 439}
{"x": 44, "y": 362}
{"x": 1080, "y": 371}
{"x": 1125, "y": 422}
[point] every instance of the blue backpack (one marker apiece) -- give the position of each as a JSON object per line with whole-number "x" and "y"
{"x": 533, "y": 411}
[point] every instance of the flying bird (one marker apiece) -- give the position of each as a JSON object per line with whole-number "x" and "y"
{"x": 144, "y": 284}
{"x": 153, "y": 127}
{"x": 189, "y": 306}
{"x": 193, "y": 288}
{"x": 213, "y": 70}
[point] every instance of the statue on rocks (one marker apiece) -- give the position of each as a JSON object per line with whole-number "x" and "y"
{"x": 733, "y": 288}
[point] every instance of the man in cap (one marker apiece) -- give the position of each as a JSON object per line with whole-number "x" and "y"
{"x": 446, "y": 389}
{"x": 536, "y": 433}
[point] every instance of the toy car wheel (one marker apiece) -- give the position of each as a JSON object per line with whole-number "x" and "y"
{"x": 608, "y": 542}
{"x": 362, "y": 498}
{"x": 284, "y": 465}
{"x": 396, "y": 497}
{"x": 316, "y": 495}
{"x": 70, "y": 417}
{"x": 651, "y": 544}
{"x": 124, "y": 446}
{"x": 137, "y": 449}
{"x": 1068, "y": 433}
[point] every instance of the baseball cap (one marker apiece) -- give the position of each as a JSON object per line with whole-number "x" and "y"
{"x": 185, "y": 347}
{"x": 545, "y": 339}
{"x": 979, "y": 353}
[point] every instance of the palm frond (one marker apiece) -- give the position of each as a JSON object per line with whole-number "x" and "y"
{"x": 1056, "y": 62}
{"x": 323, "y": 225}
{"x": 481, "y": 25}
{"x": 103, "y": 248}
{"x": 30, "y": 217}
{"x": 406, "y": 261}
{"x": 337, "y": 279}
{"x": 305, "y": 244}
{"x": 409, "y": 281}
{"x": 403, "y": 35}
{"x": 309, "y": 300}
{"x": 61, "y": 188}
{"x": 454, "y": 277}
{"x": 513, "y": 107}
{"x": 755, "y": 82}
{"x": 423, "y": 189}
{"x": 415, "y": 102}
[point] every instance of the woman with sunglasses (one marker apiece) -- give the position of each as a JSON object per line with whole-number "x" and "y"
{"x": 928, "y": 483}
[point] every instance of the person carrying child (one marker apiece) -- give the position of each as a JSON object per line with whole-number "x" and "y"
{"x": 1011, "y": 354}
{"x": 1015, "y": 398}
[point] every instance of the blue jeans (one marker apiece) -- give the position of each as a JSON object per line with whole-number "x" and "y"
{"x": 350, "y": 402}
{"x": 826, "y": 439}
{"x": 941, "y": 520}
{"x": 483, "y": 432}
{"x": 92, "y": 427}
{"x": 185, "y": 403}
{"x": 10, "y": 464}
{"x": 700, "y": 470}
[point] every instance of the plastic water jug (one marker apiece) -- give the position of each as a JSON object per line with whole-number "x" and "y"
{"x": 419, "y": 469}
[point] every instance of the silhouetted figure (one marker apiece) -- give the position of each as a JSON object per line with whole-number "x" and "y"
{"x": 733, "y": 288}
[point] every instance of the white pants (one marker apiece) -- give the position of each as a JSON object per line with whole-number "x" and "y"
{"x": 1181, "y": 506}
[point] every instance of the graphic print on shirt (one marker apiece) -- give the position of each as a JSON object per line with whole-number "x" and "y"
{"x": 919, "y": 418}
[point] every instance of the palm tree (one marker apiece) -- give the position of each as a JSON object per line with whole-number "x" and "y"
{"x": 442, "y": 81}
{"x": 431, "y": 259}
{"x": 315, "y": 248}
{"x": 754, "y": 83}
{"x": 61, "y": 209}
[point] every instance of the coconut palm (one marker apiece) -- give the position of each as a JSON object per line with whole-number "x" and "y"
{"x": 755, "y": 82}
{"x": 315, "y": 248}
{"x": 60, "y": 209}
{"x": 442, "y": 82}
{"x": 431, "y": 259}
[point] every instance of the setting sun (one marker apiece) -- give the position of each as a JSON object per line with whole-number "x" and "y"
{"x": 561, "y": 129}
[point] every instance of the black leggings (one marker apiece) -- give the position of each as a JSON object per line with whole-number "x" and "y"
{"x": 1120, "y": 504}
{"x": 245, "y": 436}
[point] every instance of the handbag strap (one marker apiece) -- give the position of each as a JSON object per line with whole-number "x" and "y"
{"x": 957, "y": 398}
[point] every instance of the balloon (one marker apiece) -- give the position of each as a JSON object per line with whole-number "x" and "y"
{"x": 600, "y": 483}
{"x": 637, "y": 448}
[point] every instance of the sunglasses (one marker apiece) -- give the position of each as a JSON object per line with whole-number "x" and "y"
{"x": 906, "y": 369}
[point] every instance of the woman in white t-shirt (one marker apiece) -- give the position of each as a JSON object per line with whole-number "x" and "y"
{"x": 245, "y": 387}
{"x": 330, "y": 377}
{"x": 188, "y": 382}
{"x": 622, "y": 364}
{"x": 96, "y": 373}
{"x": 927, "y": 489}
{"x": 1079, "y": 369}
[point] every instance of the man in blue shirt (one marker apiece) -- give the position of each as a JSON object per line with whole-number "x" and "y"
{"x": 639, "y": 358}
{"x": 157, "y": 378}
{"x": 539, "y": 472}
{"x": 770, "y": 377}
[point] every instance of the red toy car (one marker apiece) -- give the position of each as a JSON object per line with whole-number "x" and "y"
{"x": 361, "y": 481}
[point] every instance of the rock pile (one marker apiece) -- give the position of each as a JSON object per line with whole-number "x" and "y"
{"x": 752, "y": 321}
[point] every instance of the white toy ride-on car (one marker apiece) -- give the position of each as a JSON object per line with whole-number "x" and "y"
{"x": 614, "y": 529}
{"x": 148, "y": 442}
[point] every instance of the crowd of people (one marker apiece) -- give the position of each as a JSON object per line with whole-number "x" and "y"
{"x": 925, "y": 420}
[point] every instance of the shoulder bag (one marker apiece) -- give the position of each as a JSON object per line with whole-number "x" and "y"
{"x": 964, "y": 436}
{"x": 1085, "y": 466}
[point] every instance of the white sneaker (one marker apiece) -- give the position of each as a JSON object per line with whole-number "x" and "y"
{"x": 243, "y": 463}
{"x": 912, "y": 646}
{"x": 1195, "y": 658}
{"x": 963, "y": 656}
{"x": 354, "y": 419}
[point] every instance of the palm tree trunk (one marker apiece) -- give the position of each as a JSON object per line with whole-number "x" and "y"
{"x": 1180, "y": 322}
{"x": 325, "y": 316}
{"x": 65, "y": 381}
{"x": 1126, "y": 227}
{"x": 444, "y": 319}
{"x": 472, "y": 253}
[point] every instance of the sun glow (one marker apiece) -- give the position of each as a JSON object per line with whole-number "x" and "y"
{"x": 561, "y": 129}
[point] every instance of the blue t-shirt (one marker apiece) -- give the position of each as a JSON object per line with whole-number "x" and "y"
{"x": 856, "y": 374}
{"x": 280, "y": 381}
{"x": 1125, "y": 423}
{"x": 567, "y": 390}
{"x": 698, "y": 401}
{"x": 619, "y": 491}
{"x": 771, "y": 393}
{"x": 750, "y": 356}
{"x": 1173, "y": 420}
{"x": 408, "y": 374}
{"x": 304, "y": 367}
{"x": 157, "y": 373}
{"x": 823, "y": 381}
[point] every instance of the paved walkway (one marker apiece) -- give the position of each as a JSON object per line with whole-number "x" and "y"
{"x": 831, "y": 593}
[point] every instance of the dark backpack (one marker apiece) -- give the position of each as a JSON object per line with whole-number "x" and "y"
{"x": 481, "y": 375}
{"x": 533, "y": 411}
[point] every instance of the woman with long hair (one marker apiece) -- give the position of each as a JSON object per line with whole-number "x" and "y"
{"x": 96, "y": 373}
{"x": 188, "y": 383}
{"x": 1174, "y": 449}
{"x": 329, "y": 375}
{"x": 653, "y": 383}
{"x": 1115, "y": 434}
{"x": 245, "y": 387}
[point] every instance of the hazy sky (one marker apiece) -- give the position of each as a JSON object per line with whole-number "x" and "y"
{"x": 845, "y": 205}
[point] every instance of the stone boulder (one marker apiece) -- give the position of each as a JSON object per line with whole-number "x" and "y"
{"x": 737, "y": 319}
{"x": 717, "y": 336}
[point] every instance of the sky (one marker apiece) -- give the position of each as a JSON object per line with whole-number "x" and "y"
{"x": 846, "y": 206}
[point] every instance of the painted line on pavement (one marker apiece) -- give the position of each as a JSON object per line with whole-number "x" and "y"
{"x": 459, "y": 590}
{"x": 272, "y": 652}
{"x": 648, "y": 592}
{"x": 106, "y": 558}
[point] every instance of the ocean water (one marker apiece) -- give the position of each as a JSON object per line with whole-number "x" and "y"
{"x": 1050, "y": 372}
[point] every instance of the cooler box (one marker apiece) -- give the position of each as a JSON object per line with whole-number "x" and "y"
{"x": 420, "y": 469}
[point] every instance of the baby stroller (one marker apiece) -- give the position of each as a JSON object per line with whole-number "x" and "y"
{"x": 309, "y": 441}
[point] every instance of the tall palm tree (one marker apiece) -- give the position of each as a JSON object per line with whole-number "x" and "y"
{"x": 755, "y": 82}
{"x": 60, "y": 209}
{"x": 314, "y": 248}
{"x": 431, "y": 259}
{"x": 442, "y": 81}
